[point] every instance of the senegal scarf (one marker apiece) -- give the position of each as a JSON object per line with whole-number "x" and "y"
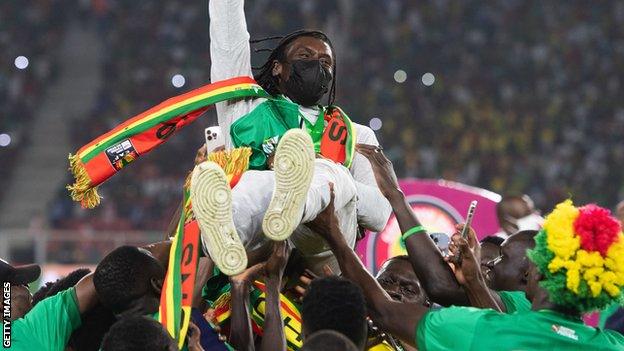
{"x": 290, "y": 314}
{"x": 100, "y": 159}
{"x": 176, "y": 298}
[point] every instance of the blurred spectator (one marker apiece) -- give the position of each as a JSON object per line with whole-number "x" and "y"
{"x": 31, "y": 32}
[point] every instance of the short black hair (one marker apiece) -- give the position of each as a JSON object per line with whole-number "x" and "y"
{"x": 337, "y": 304}
{"x": 496, "y": 240}
{"x": 95, "y": 323}
{"x": 265, "y": 75}
{"x": 122, "y": 276}
{"x": 137, "y": 333}
{"x": 328, "y": 340}
{"x": 53, "y": 288}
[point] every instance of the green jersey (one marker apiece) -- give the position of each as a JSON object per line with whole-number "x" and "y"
{"x": 515, "y": 301}
{"x": 48, "y": 325}
{"x": 468, "y": 328}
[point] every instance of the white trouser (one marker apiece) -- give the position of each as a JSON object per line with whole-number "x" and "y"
{"x": 252, "y": 194}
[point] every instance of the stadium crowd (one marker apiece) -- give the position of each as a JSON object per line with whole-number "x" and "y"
{"x": 38, "y": 28}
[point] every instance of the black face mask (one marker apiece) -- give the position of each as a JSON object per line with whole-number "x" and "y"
{"x": 308, "y": 82}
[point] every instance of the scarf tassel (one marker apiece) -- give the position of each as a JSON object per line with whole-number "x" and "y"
{"x": 82, "y": 190}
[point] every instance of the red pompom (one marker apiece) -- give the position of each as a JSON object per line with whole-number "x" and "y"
{"x": 596, "y": 228}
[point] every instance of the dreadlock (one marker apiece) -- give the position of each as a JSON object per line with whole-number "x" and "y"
{"x": 265, "y": 75}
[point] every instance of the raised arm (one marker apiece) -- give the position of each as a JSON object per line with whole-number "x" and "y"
{"x": 241, "y": 336}
{"x": 373, "y": 210}
{"x": 434, "y": 273}
{"x": 397, "y": 318}
{"x": 230, "y": 56}
{"x": 274, "y": 338}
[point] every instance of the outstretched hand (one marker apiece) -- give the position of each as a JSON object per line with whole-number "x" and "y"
{"x": 275, "y": 265}
{"x": 248, "y": 275}
{"x": 326, "y": 223}
{"x": 201, "y": 155}
{"x": 306, "y": 279}
{"x": 382, "y": 168}
{"x": 463, "y": 257}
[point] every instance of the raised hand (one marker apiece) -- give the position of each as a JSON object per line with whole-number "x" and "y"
{"x": 326, "y": 223}
{"x": 307, "y": 277}
{"x": 249, "y": 275}
{"x": 464, "y": 257}
{"x": 382, "y": 168}
{"x": 275, "y": 265}
{"x": 202, "y": 155}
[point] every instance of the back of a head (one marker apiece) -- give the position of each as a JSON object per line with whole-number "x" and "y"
{"x": 328, "y": 340}
{"x": 138, "y": 333}
{"x": 123, "y": 276}
{"x": 53, "y": 288}
{"x": 337, "y": 304}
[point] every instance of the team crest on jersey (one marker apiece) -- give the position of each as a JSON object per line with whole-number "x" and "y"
{"x": 564, "y": 331}
{"x": 121, "y": 154}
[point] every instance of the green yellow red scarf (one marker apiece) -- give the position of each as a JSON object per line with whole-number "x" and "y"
{"x": 100, "y": 159}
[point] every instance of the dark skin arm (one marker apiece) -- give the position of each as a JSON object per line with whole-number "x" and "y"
{"x": 274, "y": 338}
{"x": 85, "y": 294}
{"x": 399, "y": 319}
{"x": 436, "y": 276}
{"x": 160, "y": 251}
{"x": 241, "y": 336}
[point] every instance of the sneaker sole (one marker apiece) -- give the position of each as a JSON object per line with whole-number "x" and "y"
{"x": 293, "y": 166}
{"x": 211, "y": 197}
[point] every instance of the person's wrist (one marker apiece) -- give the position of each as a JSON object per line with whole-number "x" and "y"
{"x": 395, "y": 194}
{"x": 477, "y": 282}
{"x": 273, "y": 280}
{"x": 239, "y": 284}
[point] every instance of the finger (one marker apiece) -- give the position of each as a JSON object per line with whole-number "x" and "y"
{"x": 328, "y": 271}
{"x": 305, "y": 280}
{"x": 472, "y": 237}
{"x": 365, "y": 147}
{"x": 310, "y": 274}
{"x": 464, "y": 247}
{"x": 193, "y": 328}
{"x": 300, "y": 290}
{"x": 332, "y": 194}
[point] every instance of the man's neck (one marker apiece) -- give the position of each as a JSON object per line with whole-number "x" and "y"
{"x": 542, "y": 302}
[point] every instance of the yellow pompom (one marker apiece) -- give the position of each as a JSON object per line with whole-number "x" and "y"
{"x": 573, "y": 280}
{"x": 589, "y": 259}
{"x": 559, "y": 226}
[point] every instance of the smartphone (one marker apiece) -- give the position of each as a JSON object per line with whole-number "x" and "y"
{"x": 471, "y": 212}
{"x": 214, "y": 139}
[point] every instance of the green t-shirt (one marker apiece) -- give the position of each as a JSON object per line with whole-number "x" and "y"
{"x": 515, "y": 301}
{"x": 48, "y": 325}
{"x": 468, "y": 328}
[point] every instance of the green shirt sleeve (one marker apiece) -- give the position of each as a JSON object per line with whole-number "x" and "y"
{"x": 451, "y": 328}
{"x": 514, "y": 301}
{"x": 51, "y": 322}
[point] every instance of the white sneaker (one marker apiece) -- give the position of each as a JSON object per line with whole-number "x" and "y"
{"x": 293, "y": 166}
{"x": 211, "y": 198}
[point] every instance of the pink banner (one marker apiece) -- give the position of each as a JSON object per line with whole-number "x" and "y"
{"x": 439, "y": 205}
